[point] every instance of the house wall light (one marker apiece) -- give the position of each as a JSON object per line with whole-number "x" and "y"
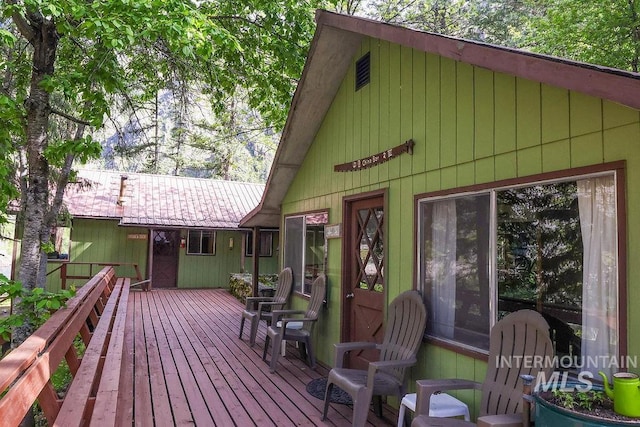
{"x": 230, "y": 243}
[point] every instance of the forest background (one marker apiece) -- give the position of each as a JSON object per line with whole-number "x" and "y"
{"x": 202, "y": 88}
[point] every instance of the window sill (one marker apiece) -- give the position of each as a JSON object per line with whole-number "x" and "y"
{"x": 457, "y": 348}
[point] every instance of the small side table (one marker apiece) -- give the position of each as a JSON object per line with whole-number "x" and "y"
{"x": 293, "y": 325}
{"x": 440, "y": 405}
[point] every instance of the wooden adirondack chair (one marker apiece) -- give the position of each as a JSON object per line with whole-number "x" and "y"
{"x": 404, "y": 330}
{"x": 296, "y": 328}
{"x": 514, "y": 344}
{"x": 259, "y": 308}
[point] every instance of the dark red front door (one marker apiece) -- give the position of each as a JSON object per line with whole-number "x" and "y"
{"x": 166, "y": 244}
{"x": 364, "y": 284}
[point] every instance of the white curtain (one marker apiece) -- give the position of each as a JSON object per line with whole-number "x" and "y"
{"x": 597, "y": 205}
{"x": 443, "y": 273}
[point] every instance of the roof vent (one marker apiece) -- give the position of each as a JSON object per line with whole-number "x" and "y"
{"x": 123, "y": 185}
{"x": 363, "y": 71}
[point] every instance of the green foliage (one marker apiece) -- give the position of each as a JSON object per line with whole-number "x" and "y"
{"x": 84, "y": 149}
{"x": 601, "y": 32}
{"x": 47, "y": 247}
{"x": 240, "y": 284}
{"x": 115, "y": 57}
{"x": 67, "y": 65}
{"x": 579, "y": 399}
{"x": 540, "y": 244}
{"x": 37, "y": 305}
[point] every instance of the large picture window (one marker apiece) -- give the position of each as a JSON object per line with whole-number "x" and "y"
{"x": 550, "y": 246}
{"x": 305, "y": 248}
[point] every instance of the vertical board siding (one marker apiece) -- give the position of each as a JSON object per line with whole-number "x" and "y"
{"x": 418, "y": 125}
{"x": 213, "y": 271}
{"x": 484, "y": 109}
{"x": 555, "y": 114}
{"x": 384, "y": 106}
{"x": 106, "y": 241}
{"x": 465, "y": 147}
{"x": 406, "y": 106}
{"x": 505, "y": 113}
{"x": 434, "y": 129}
{"x": 585, "y": 114}
{"x": 448, "y": 117}
{"x": 101, "y": 241}
{"x": 470, "y": 126}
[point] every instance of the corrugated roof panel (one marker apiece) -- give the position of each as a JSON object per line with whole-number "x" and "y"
{"x": 162, "y": 200}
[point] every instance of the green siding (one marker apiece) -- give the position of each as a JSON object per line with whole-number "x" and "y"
{"x": 470, "y": 126}
{"x": 505, "y": 113}
{"x": 464, "y": 114}
{"x": 212, "y": 271}
{"x": 484, "y": 113}
{"x": 555, "y": 114}
{"x": 101, "y": 241}
{"x": 527, "y": 113}
{"x": 106, "y": 241}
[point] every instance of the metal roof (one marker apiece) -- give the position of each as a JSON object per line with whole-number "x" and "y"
{"x": 338, "y": 38}
{"x": 161, "y": 200}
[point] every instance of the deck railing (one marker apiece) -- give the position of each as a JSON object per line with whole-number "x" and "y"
{"x": 64, "y": 270}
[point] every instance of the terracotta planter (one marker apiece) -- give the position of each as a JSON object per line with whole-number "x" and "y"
{"x": 550, "y": 415}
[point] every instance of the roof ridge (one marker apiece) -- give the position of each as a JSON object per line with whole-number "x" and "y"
{"x": 120, "y": 173}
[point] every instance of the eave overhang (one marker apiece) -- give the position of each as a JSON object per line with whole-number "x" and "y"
{"x": 333, "y": 47}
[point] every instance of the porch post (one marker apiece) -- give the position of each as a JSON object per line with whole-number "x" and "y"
{"x": 256, "y": 259}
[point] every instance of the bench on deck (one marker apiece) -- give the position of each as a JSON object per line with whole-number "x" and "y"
{"x": 97, "y": 313}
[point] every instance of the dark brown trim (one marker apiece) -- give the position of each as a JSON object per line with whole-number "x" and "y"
{"x": 512, "y": 182}
{"x": 459, "y": 349}
{"x": 305, "y": 213}
{"x": 255, "y": 261}
{"x": 623, "y": 305}
{"x": 619, "y": 167}
{"x": 368, "y": 195}
{"x": 608, "y": 83}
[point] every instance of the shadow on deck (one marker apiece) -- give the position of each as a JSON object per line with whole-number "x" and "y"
{"x": 184, "y": 365}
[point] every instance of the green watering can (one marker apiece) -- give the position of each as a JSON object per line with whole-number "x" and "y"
{"x": 625, "y": 393}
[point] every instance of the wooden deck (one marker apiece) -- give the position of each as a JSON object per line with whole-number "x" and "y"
{"x": 185, "y": 365}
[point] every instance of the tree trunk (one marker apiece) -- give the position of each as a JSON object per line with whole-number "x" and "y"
{"x": 44, "y": 40}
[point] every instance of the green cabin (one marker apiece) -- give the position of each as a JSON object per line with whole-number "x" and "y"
{"x": 488, "y": 178}
{"x": 176, "y": 232}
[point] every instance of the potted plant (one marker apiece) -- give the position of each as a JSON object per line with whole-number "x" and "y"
{"x": 575, "y": 407}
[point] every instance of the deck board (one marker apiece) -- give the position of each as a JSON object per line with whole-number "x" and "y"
{"x": 187, "y": 366}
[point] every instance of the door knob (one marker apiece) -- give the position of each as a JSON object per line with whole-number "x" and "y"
{"x": 349, "y": 295}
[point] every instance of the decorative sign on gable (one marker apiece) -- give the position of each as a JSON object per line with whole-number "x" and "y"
{"x": 376, "y": 159}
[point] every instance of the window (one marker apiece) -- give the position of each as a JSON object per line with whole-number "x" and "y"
{"x": 7, "y": 234}
{"x": 61, "y": 243}
{"x": 266, "y": 243}
{"x": 201, "y": 242}
{"x": 305, "y": 248}
{"x": 551, "y": 247}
